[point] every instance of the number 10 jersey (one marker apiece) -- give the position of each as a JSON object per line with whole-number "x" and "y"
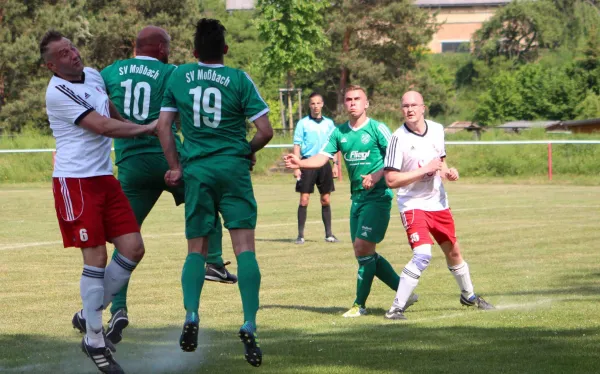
{"x": 136, "y": 87}
{"x": 213, "y": 102}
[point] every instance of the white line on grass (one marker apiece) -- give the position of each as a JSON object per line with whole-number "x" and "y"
{"x": 154, "y": 236}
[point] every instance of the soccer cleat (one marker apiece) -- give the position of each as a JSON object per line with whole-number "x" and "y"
{"x": 102, "y": 358}
{"x": 413, "y": 298}
{"x": 116, "y": 325}
{"x": 355, "y": 311}
{"x": 332, "y": 239}
{"x": 299, "y": 240}
{"x": 219, "y": 274}
{"x": 395, "y": 314}
{"x": 249, "y": 337}
{"x": 189, "y": 336}
{"x": 79, "y": 324}
{"x": 477, "y": 301}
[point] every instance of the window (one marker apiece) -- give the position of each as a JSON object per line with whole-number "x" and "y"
{"x": 459, "y": 46}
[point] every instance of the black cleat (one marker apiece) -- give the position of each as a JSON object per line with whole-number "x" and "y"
{"x": 116, "y": 324}
{"x": 219, "y": 274}
{"x": 102, "y": 358}
{"x": 79, "y": 324}
{"x": 249, "y": 337}
{"x": 477, "y": 301}
{"x": 188, "y": 341}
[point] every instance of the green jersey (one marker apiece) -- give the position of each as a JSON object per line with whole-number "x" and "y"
{"x": 136, "y": 87}
{"x": 363, "y": 150}
{"x": 213, "y": 102}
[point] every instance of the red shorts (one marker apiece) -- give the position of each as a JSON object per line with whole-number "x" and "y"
{"x": 92, "y": 211}
{"x": 419, "y": 224}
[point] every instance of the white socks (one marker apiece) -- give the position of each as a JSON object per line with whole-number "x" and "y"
{"x": 91, "y": 288}
{"x": 463, "y": 278}
{"x": 117, "y": 274}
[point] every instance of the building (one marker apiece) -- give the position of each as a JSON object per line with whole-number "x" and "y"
{"x": 460, "y": 18}
{"x": 577, "y": 126}
{"x": 518, "y": 126}
{"x": 231, "y": 5}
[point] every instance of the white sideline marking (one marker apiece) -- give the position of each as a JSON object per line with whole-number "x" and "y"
{"x": 153, "y": 236}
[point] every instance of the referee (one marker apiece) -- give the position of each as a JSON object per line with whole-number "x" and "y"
{"x": 310, "y": 136}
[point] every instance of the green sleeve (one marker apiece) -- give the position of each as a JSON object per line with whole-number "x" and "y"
{"x": 252, "y": 103}
{"x": 332, "y": 145}
{"x": 168, "y": 100}
{"x": 383, "y": 136}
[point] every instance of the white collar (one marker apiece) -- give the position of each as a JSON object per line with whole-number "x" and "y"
{"x": 361, "y": 125}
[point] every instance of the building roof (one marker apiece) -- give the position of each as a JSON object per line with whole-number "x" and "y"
{"x": 527, "y": 124}
{"x": 566, "y": 125}
{"x": 459, "y": 3}
{"x": 461, "y": 125}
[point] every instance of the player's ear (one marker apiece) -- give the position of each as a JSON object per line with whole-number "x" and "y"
{"x": 367, "y": 104}
{"x": 196, "y": 54}
{"x": 225, "y": 49}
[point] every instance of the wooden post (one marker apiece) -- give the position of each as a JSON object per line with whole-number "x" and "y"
{"x": 282, "y": 110}
{"x": 550, "y": 161}
{"x": 290, "y": 108}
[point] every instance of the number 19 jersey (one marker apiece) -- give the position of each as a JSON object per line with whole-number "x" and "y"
{"x": 136, "y": 87}
{"x": 213, "y": 102}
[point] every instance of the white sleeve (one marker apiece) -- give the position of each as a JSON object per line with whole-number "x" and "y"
{"x": 65, "y": 105}
{"x": 393, "y": 155}
{"x": 442, "y": 145}
{"x": 95, "y": 77}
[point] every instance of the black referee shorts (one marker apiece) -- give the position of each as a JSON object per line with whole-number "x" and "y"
{"x": 322, "y": 177}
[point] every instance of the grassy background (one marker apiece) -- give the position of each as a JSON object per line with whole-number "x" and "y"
{"x": 526, "y": 162}
{"x": 530, "y": 249}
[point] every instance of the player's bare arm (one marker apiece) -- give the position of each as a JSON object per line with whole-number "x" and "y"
{"x": 396, "y": 179}
{"x": 294, "y": 162}
{"x": 297, "y": 172}
{"x": 450, "y": 174}
{"x": 167, "y": 142}
{"x": 370, "y": 180}
{"x": 113, "y": 128}
{"x": 263, "y": 135}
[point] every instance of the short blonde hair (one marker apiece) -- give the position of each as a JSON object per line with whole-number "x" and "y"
{"x": 354, "y": 87}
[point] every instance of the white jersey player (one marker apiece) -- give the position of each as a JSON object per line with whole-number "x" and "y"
{"x": 415, "y": 164}
{"x": 90, "y": 206}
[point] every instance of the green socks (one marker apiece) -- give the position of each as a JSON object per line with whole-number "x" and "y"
{"x": 386, "y": 273}
{"x": 120, "y": 299}
{"x": 367, "y": 267}
{"x": 249, "y": 284}
{"x": 215, "y": 246}
{"x": 192, "y": 280}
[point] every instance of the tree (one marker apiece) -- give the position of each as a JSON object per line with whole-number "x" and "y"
{"x": 295, "y": 37}
{"x": 519, "y": 30}
{"x": 375, "y": 43}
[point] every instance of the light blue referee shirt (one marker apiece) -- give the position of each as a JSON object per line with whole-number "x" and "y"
{"x": 311, "y": 134}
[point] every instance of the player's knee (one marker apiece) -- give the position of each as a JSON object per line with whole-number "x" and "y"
{"x": 325, "y": 200}
{"x": 422, "y": 256}
{"x": 304, "y": 200}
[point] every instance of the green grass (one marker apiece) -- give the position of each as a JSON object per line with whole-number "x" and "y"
{"x": 532, "y": 250}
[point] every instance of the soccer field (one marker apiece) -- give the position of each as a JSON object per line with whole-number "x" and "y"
{"x": 533, "y": 251}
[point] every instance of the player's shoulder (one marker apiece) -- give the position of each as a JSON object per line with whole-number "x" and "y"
{"x": 91, "y": 73}
{"x": 400, "y": 131}
{"x": 328, "y": 120}
{"x": 434, "y": 126}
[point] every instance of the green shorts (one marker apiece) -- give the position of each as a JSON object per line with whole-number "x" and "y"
{"x": 142, "y": 180}
{"x": 369, "y": 219}
{"x": 218, "y": 184}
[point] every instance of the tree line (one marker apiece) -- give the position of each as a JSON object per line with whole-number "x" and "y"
{"x": 533, "y": 59}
